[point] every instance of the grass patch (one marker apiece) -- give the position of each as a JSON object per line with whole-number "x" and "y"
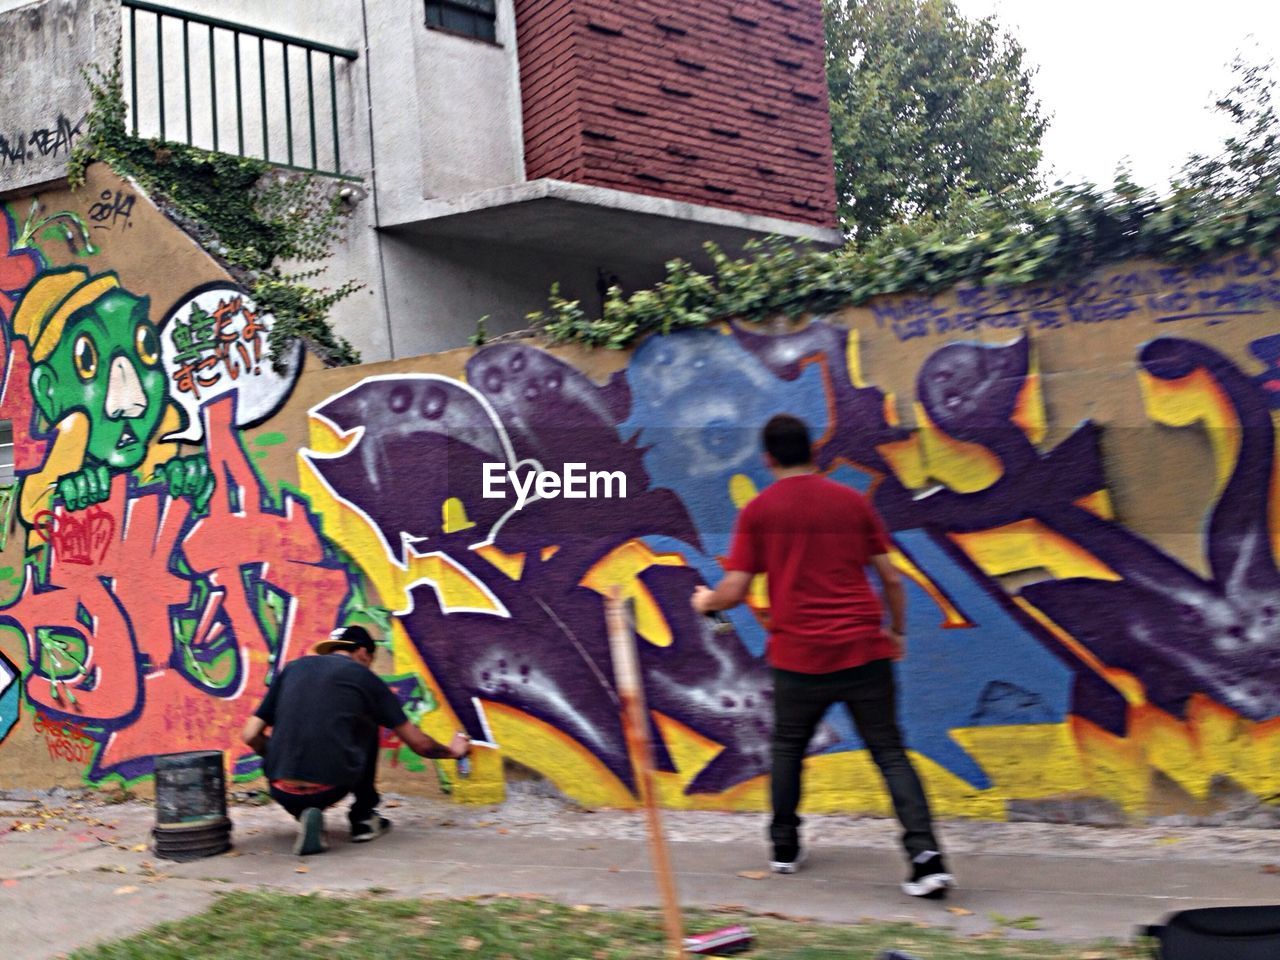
{"x": 283, "y": 927}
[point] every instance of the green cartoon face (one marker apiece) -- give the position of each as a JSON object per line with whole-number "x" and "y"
{"x": 106, "y": 364}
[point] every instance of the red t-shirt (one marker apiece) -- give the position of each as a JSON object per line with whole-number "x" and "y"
{"x": 814, "y": 538}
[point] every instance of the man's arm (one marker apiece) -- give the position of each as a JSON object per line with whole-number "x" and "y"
{"x": 254, "y": 734}
{"x": 424, "y": 746}
{"x": 895, "y": 598}
{"x": 731, "y": 591}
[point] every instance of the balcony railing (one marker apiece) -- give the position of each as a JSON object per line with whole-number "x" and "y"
{"x": 223, "y": 63}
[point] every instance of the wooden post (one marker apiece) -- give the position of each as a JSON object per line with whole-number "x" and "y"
{"x": 635, "y": 724}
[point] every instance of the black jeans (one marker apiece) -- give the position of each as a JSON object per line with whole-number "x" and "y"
{"x": 364, "y": 794}
{"x": 870, "y": 695}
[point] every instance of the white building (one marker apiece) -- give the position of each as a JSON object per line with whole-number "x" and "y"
{"x": 493, "y": 146}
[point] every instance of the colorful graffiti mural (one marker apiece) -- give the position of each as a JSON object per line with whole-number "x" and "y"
{"x": 1114, "y": 654}
{"x": 160, "y": 586}
{"x": 1062, "y": 641}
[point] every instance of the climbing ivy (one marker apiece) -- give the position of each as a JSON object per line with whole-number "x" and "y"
{"x": 249, "y": 215}
{"x": 1072, "y": 230}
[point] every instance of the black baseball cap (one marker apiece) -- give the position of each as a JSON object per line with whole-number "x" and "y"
{"x": 347, "y": 638}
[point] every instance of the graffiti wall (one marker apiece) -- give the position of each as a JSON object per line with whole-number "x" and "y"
{"x": 1079, "y": 479}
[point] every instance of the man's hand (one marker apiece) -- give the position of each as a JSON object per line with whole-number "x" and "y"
{"x": 899, "y": 641}
{"x": 424, "y": 746}
{"x": 254, "y": 734}
{"x": 459, "y": 746}
{"x": 701, "y": 599}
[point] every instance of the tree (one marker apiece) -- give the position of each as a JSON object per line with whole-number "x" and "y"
{"x": 1250, "y": 157}
{"x": 927, "y": 107}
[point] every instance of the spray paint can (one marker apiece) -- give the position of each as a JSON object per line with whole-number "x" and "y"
{"x": 464, "y": 767}
{"x": 719, "y": 622}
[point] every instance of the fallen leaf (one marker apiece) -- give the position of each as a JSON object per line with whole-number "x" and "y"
{"x": 392, "y": 803}
{"x": 752, "y": 874}
{"x": 129, "y": 889}
{"x": 503, "y": 830}
{"x": 581, "y": 908}
{"x": 139, "y": 848}
{"x": 960, "y": 911}
{"x": 301, "y": 869}
{"x": 1270, "y": 868}
{"x": 233, "y": 853}
{"x": 471, "y": 943}
{"x": 1165, "y": 841}
{"x": 9, "y": 883}
{"x": 615, "y": 869}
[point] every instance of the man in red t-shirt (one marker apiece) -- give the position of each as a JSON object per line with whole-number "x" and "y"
{"x": 814, "y": 539}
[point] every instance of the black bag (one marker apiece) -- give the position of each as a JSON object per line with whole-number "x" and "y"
{"x": 1219, "y": 933}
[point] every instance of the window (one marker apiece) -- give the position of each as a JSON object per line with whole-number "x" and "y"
{"x": 470, "y": 18}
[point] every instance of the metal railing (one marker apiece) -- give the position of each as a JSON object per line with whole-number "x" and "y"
{"x": 255, "y": 96}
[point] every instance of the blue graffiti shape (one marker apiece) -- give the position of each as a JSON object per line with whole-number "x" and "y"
{"x": 1179, "y": 632}
{"x": 1267, "y": 349}
{"x": 700, "y": 401}
{"x": 993, "y": 671}
{"x": 10, "y": 694}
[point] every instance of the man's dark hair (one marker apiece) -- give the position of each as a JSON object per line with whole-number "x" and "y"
{"x": 786, "y": 439}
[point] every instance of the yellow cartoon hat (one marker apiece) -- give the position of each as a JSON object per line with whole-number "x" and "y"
{"x": 48, "y": 303}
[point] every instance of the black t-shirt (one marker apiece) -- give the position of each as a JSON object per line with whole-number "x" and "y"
{"x": 324, "y": 712}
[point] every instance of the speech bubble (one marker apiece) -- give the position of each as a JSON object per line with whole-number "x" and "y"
{"x": 214, "y": 342}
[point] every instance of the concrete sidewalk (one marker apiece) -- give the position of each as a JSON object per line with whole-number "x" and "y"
{"x": 86, "y": 874}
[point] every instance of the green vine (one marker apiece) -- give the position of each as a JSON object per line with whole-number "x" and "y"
{"x": 247, "y": 214}
{"x": 1071, "y": 231}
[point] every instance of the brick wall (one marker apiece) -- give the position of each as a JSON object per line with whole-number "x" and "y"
{"x": 718, "y": 102}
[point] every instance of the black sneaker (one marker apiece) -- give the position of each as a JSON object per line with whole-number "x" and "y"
{"x": 787, "y": 857}
{"x": 929, "y": 877}
{"x": 310, "y": 833}
{"x": 370, "y": 829}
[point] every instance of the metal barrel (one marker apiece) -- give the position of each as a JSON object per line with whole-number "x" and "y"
{"x": 191, "y": 806}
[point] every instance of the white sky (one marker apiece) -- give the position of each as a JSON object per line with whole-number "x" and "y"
{"x": 1132, "y": 79}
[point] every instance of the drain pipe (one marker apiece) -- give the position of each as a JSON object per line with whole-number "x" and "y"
{"x": 373, "y": 180}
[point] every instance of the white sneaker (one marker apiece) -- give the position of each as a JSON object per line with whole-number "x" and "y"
{"x": 788, "y": 866}
{"x": 929, "y": 877}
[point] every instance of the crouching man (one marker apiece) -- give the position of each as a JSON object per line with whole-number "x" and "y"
{"x": 323, "y": 713}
